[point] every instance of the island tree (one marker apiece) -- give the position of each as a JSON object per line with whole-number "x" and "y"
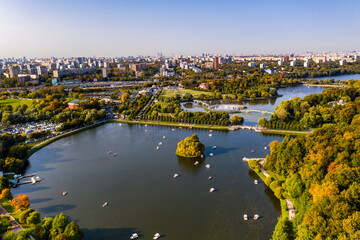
{"x": 190, "y": 147}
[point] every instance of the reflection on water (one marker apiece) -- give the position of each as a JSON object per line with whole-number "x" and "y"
{"x": 189, "y": 163}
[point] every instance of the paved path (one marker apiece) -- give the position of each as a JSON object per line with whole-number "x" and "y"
{"x": 16, "y": 227}
{"x": 290, "y": 205}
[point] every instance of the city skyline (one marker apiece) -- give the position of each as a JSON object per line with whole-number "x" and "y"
{"x": 131, "y": 28}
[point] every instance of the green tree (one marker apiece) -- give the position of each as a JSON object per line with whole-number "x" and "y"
{"x": 236, "y": 119}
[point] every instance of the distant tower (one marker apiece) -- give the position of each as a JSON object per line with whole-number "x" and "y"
{"x": 104, "y": 72}
{"x": 216, "y": 63}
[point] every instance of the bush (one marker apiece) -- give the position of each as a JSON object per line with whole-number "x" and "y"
{"x": 274, "y": 185}
{"x": 278, "y": 192}
{"x": 254, "y": 165}
{"x": 268, "y": 180}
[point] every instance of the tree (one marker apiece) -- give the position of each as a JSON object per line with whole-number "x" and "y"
{"x": 6, "y": 194}
{"x": 59, "y": 224}
{"x": 4, "y": 223}
{"x": 34, "y": 218}
{"x": 124, "y": 97}
{"x": 25, "y": 214}
{"x": 190, "y": 147}
{"x": 283, "y": 230}
{"x": 236, "y": 119}
{"x": 73, "y": 231}
{"x": 21, "y": 202}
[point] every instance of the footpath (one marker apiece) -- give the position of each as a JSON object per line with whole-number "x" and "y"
{"x": 288, "y": 201}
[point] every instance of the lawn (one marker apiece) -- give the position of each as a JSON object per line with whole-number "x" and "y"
{"x": 168, "y": 93}
{"x": 195, "y": 93}
{"x": 15, "y": 102}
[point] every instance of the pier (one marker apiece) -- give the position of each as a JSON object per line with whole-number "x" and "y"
{"x": 250, "y": 159}
{"x": 246, "y": 127}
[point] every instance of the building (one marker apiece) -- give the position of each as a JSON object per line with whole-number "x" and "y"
{"x": 280, "y": 63}
{"x": 285, "y": 58}
{"x": 252, "y": 64}
{"x": 208, "y": 65}
{"x": 138, "y": 67}
{"x": 269, "y": 71}
{"x": 22, "y": 78}
{"x": 14, "y": 71}
{"x": 104, "y": 72}
{"x": 202, "y": 86}
{"x": 262, "y": 65}
{"x": 74, "y": 104}
{"x": 41, "y": 70}
{"x": 293, "y": 63}
{"x": 77, "y": 71}
{"x": 144, "y": 93}
{"x": 216, "y": 63}
{"x": 342, "y": 62}
{"x": 306, "y": 64}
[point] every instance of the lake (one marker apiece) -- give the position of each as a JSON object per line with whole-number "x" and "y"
{"x": 139, "y": 186}
{"x": 340, "y": 77}
{"x": 268, "y": 104}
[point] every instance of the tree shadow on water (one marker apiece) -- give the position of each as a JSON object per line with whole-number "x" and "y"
{"x": 40, "y": 200}
{"x": 57, "y": 208}
{"x": 189, "y": 163}
{"x": 219, "y": 150}
{"x": 110, "y": 233}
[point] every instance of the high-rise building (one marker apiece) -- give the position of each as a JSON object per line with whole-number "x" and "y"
{"x": 14, "y": 71}
{"x": 41, "y": 70}
{"x": 342, "y": 62}
{"x": 216, "y": 63}
{"x": 262, "y": 65}
{"x": 104, "y": 72}
{"x": 306, "y": 64}
{"x": 293, "y": 63}
{"x": 280, "y": 63}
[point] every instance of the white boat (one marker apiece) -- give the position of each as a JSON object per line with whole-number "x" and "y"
{"x": 212, "y": 190}
{"x": 196, "y": 163}
{"x": 134, "y": 236}
{"x": 210, "y": 130}
{"x": 265, "y": 148}
{"x": 109, "y": 152}
{"x": 146, "y": 130}
{"x": 173, "y": 129}
{"x": 210, "y": 135}
{"x": 176, "y": 175}
{"x": 157, "y": 148}
{"x": 214, "y": 147}
{"x": 120, "y": 124}
{"x": 156, "y": 236}
{"x": 115, "y": 154}
{"x": 105, "y": 204}
{"x": 64, "y": 193}
{"x": 202, "y": 155}
{"x": 256, "y": 217}
{"x": 208, "y": 166}
{"x": 145, "y": 125}
{"x": 252, "y": 151}
{"x": 33, "y": 181}
{"x": 160, "y": 143}
{"x": 210, "y": 177}
{"x": 68, "y": 142}
{"x": 211, "y": 154}
{"x": 256, "y": 181}
{"x": 164, "y": 137}
{"x": 245, "y": 217}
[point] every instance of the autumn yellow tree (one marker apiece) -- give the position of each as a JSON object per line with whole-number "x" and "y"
{"x": 190, "y": 147}
{"x": 21, "y": 202}
{"x": 6, "y": 194}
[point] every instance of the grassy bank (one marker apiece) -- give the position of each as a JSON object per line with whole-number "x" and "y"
{"x": 285, "y": 132}
{"x": 172, "y": 124}
{"x": 14, "y": 102}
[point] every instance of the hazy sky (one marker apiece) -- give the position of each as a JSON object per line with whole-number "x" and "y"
{"x": 112, "y": 28}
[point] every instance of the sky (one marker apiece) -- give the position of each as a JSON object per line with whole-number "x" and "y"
{"x": 115, "y": 28}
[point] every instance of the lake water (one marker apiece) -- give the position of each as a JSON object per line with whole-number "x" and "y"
{"x": 341, "y": 77}
{"x": 268, "y": 104}
{"x": 138, "y": 183}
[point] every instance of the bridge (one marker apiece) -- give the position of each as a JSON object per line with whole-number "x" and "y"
{"x": 246, "y": 127}
{"x": 257, "y": 111}
{"x": 202, "y": 103}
